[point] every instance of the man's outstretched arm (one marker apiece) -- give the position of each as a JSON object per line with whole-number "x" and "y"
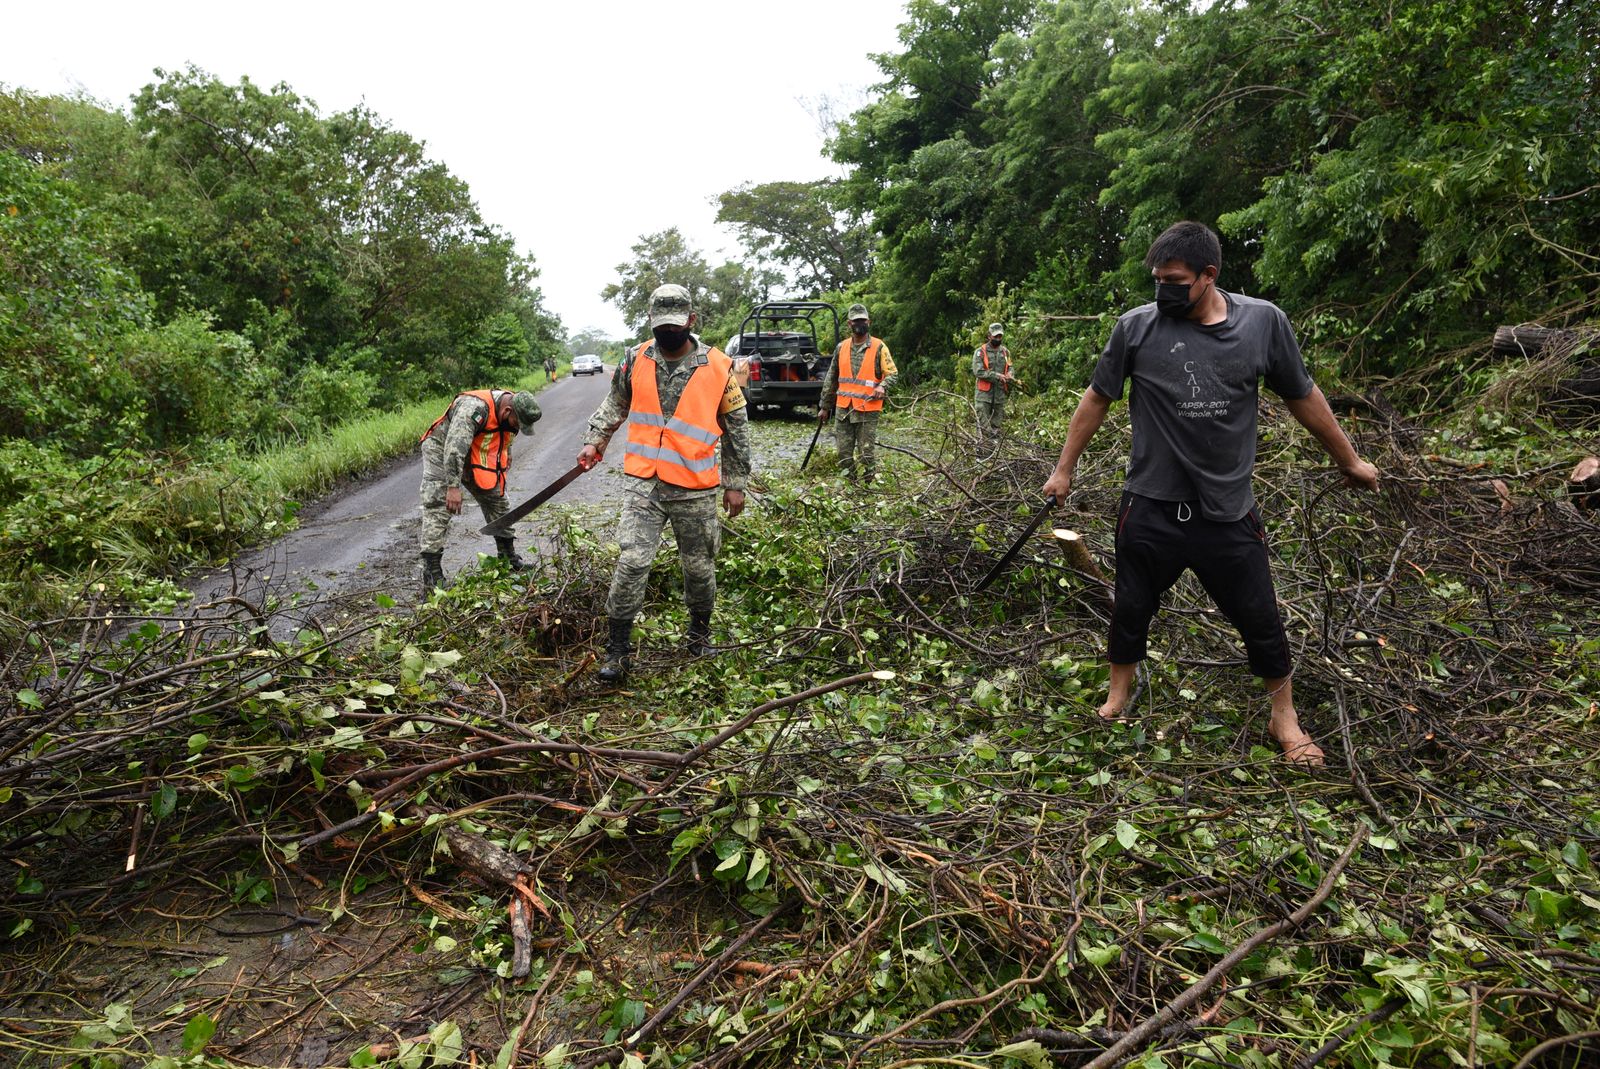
{"x": 1312, "y": 413}
{"x": 1086, "y": 419}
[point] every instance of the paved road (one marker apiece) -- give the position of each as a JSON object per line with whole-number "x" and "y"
{"x": 363, "y": 540}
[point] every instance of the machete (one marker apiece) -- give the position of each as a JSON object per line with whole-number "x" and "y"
{"x": 814, "y": 436}
{"x": 501, "y": 528}
{"x": 1016, "y": 547}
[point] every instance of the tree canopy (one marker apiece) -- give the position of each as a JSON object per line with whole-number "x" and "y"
{"x": 1397, "y": 175}
{"x": 229, "y": 235}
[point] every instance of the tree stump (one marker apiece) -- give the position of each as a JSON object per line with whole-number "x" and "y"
{"x": 1583, "y": 485}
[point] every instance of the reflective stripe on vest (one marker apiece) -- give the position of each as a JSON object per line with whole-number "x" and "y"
{"x": 856, "y": 384}
{"x": 680, "y": 449}
{"x": 984, "y": 384}
{"x": 490, "y": 453}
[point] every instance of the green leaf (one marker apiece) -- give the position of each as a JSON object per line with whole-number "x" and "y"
{"x": 198, "y": 1032}
{"x": 1102, "y": 955}
{"x": 1028, "y": 1051}
{"x": 447, "y": 1042}
{"x": 30, "y": 699}
{"x": 363, "y": 1059}
{"x": 1207, "y": 942}
{"x": 885, "y": 876}
{"x": 1127, "y": 834}
{"x": 165, "y": 801}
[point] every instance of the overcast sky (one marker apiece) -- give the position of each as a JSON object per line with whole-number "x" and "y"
{"x": 579, "y": 126}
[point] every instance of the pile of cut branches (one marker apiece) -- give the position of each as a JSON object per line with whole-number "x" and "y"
{"x": 884, "y": 825}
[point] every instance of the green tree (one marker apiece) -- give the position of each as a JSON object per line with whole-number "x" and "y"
{"x": 796, "y": 225}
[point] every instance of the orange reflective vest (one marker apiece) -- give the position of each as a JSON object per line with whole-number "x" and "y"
{"x": 856, "y": 384}
{"x": 490, "y": 454}
{"x": 984, "y": 385}
{"x": 681, "y": 450}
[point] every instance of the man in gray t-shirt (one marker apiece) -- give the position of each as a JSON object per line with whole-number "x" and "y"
{"x": 1195, "y": 358}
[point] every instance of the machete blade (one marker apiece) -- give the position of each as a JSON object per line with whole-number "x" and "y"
{"x": 501, "y": 528}
{"x": 1016, "y": 547}
{"x": 814, "y": 436}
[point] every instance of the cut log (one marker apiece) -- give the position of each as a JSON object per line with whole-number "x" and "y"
{"x": 1079, "y": 559}
{"x": 481, "y": 857}
{"x": 1528, "y": 341}
{"x": 1583, "y": 485}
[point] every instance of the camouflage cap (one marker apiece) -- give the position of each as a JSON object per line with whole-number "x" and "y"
{"x": 526, "y": 408}
{"x": 857, "y": 311}
{"x": 996, "y": 328}
{"x": 669, "y": 306}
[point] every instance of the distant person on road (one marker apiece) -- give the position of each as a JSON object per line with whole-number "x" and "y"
{"x": 550, "y": 368}
{"x": 474, "y": 449}
{"x": 1195, "y": 357}
{"x": 680, "y": 401}
{"x": 991, "y": 367}
{"x": 860, "y": 376}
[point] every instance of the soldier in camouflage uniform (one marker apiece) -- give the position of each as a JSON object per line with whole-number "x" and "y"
{"x": 677, "y": 419}
{"x": 467, "y": 440}
{"x": 991, "y": 367}
{"x": 549, "y": 368}
{"x": 857, "y": 429}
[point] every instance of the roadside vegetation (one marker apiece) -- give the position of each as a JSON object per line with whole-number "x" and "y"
{"x": 216, "y": 305}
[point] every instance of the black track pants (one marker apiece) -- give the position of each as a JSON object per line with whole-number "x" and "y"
{"x": 1157, "y": 540}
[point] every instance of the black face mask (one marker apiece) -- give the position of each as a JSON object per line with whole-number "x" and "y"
{"x": 859, "y": 328}
{"x": 670, "y": 339}
{"x": 1172, "y": 299}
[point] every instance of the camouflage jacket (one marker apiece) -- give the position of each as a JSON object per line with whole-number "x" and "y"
{"x": 671, "y": 377}
{"x": 467, "y": 415}
{"x": 998, "y": 359}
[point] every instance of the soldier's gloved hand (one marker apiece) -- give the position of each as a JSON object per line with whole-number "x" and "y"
{"x": 733, "y": 501}
{"x": 452, "y": 500}
{"x": 589, "y": 456}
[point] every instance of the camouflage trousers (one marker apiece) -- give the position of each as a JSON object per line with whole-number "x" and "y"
{"x": 435, "y": 520}
{"x": 699, "y": 535}
{"x": 990, "y": 414}
{"x": 855, "y": 437}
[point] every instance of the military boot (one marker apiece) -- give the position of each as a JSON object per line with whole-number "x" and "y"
{"x": 700, "y": 633}
{"x": 619, "y": 651}
{"x": 432, "y": 572}
{"x": 508, "y": 553}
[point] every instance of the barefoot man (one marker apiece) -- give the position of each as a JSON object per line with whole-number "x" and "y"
{"x": 1195, "y": 357}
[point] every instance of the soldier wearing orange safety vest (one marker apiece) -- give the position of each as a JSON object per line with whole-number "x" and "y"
{"x": 991, "y": 367}
{"x": 469, "y": 444}
{"x": 859, "y": 378}
{"x": 687, "y": 439}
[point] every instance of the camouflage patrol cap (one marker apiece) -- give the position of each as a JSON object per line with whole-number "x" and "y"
{"x": 669, "y": 306}
{"x": 857, "y": 311}
{"x": 526, "y": 408}
{"x": 996, "y": 328}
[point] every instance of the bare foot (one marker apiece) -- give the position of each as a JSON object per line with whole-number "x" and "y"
{"x": 1118, "y": 693}
{"x": 1299, "y": 748}
{"x": 1113, "y": 707}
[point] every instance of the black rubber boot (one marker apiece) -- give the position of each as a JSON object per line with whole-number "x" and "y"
{"x": 700, "y": 634}
{"x": 619, "y": 651}
{"x": 432, "y": 572}
{"x": 508, "y": 553}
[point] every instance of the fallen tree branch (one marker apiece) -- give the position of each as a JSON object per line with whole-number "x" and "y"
{"x": 1151, "y": 1025}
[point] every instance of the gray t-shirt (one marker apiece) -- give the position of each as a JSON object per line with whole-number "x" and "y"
{"x": 1193, "y": 399}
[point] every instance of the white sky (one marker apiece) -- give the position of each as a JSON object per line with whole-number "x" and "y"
{"x": 554, "y": 113}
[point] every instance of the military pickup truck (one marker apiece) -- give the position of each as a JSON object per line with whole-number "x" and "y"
{"x": 777, "y": 354}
